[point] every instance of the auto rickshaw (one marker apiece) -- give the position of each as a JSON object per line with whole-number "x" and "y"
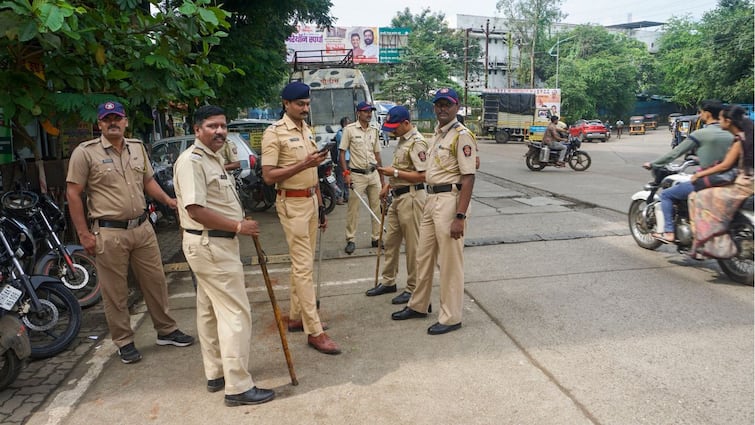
{"x": 651, "y": 121}
{"x": 636, "y": 125}
{"x": 683, "y": 126}
{"x": 671, "y": 118}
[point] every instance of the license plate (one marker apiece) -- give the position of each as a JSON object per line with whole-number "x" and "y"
{"x": 8, "y": 297}
{"x": 330, "y": 179}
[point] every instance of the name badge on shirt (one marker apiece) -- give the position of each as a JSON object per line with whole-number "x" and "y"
{"x": 224, "y": 177}
{"x": 107, "y": 161}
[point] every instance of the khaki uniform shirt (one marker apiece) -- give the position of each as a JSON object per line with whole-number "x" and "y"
{"x": 361, "y": 143}
{"x": 114, "y": 183}
{"x": 453, "y": 153}
{"x": 200, "y": 179}
{"x": 229, "y": 153}
{"x": 410, "y": 155}
{"x": 284, "y": 144}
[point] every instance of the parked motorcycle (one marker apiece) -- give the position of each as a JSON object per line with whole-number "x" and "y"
{"x": 158, "y": 211}
{"x": 14, "y": 349}
{"x": 50, "y": 312}
{"x": 539, "y": 156}
{"x": 645, "y": 217}
{"x": 328, "y": 187}
{"x": 255, "y": 195}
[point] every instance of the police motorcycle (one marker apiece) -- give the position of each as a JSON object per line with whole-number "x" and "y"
{"x": 254, "y": 193}
{"x": 70, "y": 263}
{"x": 539, "y": 156}
{"x": 645, "y": 217}
{"x": 48, "y": 310}
{"x": 327, "y": 179}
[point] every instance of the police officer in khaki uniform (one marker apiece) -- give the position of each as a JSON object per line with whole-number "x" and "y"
{"x": 362, "y": 140}
{"x": 406, "y": 183}
{"x": 450, "y": 179}
{"x": 211, "y": 215}
{"x": 289, "y": 160}
{"x": 115, "y": 172}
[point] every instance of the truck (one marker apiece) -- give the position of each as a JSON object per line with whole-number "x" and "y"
{"x": 518, "y": 114}
{"x": 336, "y": 86}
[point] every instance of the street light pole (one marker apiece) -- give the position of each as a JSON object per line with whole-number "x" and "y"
{"x": 557, "y": 46}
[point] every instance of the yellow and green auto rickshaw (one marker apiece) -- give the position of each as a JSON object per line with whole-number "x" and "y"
{"x": 636, "y": 125}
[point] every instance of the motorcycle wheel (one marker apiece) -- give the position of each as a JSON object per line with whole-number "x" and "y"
{"x": 328, "y": 197}
{"x": 641, "y": 234}
{"x": 261, "y": 198}
{"x": 54, "y": 328}
{"x": 533, "y": 161}
{"x": 740, "y": 268}
{"x": 86, "y": 280}
{"x": 580, "y": 161}
{"x": 10, "y": 368}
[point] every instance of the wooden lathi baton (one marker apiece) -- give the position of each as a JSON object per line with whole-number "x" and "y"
{"x": 384, "y": 209}
{"x": 263, "y": 265}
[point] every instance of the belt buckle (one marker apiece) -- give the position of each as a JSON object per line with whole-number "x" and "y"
{"x": 134, "y": 222}
{"x": 312, "y": 191}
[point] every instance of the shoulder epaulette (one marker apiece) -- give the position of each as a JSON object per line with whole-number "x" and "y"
{"x": 89, "y": 142}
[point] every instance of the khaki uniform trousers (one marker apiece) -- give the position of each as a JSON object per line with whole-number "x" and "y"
{"x": 298, "y": 217}
{"x": 402, "y": 223}
{"x": 224, "y": 316}
{"x": 369, "y": 184}
{"x": 117, "y": 248}
{"x": 436, "y": 246}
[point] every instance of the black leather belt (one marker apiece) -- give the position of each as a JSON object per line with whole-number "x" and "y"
{"x": 404, "y": 189}
{"x": 128, "y": 224}
{"x": 362, "y": 171}
{"x": 443, "y": 188}
{"x": 213, "y": 233}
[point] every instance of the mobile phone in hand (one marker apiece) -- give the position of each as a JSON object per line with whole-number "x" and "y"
{"x": 327, "y": 147}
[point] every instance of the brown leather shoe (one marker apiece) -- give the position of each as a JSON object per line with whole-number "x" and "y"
{"x": 298, "y": 326}
{"x": 323, "y": 344}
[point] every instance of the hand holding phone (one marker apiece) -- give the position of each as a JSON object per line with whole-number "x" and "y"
{"x": 327, "y": 147}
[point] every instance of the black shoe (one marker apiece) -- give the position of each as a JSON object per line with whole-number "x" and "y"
{"x": 129, "y": 353}
{"x": 375, "y": 244}
{"x": 438, "y": 329}
{"x": 215, "y": 385}
{"x": 380, "y": 290}
{"x": 407, "y": 313}
{"x": 252, "y": 396}
{"x": 402, "y": 298}
{"x": 350, "y": 247}
{"x": 177, "y": 338}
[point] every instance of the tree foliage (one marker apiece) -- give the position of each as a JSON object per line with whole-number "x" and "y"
{"x": 434, "y": 55}
{"x": 599, "y": 72}
{"x": 255, "y": 48}
{"x": 61, "y": 58}
{"x": 712, "y": 58}
{"x": 529, "y": 22}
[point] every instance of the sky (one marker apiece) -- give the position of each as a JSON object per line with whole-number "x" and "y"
{"x": 603, "y": 12}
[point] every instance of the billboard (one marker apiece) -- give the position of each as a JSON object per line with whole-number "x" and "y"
{"x": 367, "y": 44}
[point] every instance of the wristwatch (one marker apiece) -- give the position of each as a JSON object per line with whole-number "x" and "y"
{"x": 461, "y": 216}
{"x": 395, "y": 172}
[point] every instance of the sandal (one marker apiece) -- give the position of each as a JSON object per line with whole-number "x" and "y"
{"x": 660, "y": 237}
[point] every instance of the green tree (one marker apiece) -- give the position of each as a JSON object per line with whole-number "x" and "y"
{"x": 712, "y": 58}
{"x": 529, "y": 21}
{"x": 59, "y": 59}
{"x": 434, "y": 55}
{"x": 599, "y": 72}
{"x": 255, "y": 49}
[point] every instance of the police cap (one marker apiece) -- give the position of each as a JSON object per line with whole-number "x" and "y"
{"x": 295, "y": 90}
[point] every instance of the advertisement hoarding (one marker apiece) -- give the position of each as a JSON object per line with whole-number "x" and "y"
{"x": 367, "y": 44}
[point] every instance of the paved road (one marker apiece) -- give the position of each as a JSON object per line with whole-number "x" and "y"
{"x": 566, "y": 321}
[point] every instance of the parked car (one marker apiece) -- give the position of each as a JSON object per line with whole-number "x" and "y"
{"x": 166, "y": 151}
{"x": 589, "y": 130}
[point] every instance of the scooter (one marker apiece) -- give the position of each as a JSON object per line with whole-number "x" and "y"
{"x": 539, "y": 156}
{"x": 645, "y": 217}
{"x": 15, "y": 349}
{"x": 328, "y": 187}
